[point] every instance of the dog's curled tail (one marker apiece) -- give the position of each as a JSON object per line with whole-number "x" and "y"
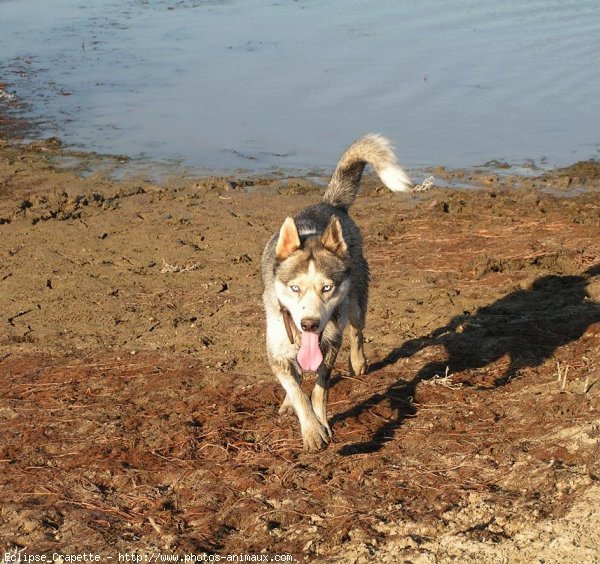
{"x": 371, "y": 149}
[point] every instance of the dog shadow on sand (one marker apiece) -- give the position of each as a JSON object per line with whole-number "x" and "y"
{"x": 526, "y": 325}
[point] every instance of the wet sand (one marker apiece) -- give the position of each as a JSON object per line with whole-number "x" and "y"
{"x": 138, "y": 411}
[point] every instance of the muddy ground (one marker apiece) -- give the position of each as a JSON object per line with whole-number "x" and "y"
{"x": 138, "y": 412}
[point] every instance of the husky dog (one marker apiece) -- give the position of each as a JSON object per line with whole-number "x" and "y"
{"x": 316, "y": 280}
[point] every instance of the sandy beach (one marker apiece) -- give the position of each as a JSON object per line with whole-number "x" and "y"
{"x": 138, "y": 412}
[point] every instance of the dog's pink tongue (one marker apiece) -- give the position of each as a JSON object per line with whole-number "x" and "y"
{"x": 309, "y": 355}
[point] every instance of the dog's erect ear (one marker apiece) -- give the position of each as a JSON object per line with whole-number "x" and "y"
{"x": 333, "y": 238}
{"x": 289, "y": 240}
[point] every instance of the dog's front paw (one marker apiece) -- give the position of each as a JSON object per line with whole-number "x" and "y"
{"x": 323, "y": 420}
{"x": 316, "y": 436}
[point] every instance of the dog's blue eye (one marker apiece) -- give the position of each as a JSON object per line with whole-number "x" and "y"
{"x": 327, "y": 288}
{"x": 295, "y": 288}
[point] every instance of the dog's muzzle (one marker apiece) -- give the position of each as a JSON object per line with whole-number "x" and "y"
{"x": 310, "y": 324}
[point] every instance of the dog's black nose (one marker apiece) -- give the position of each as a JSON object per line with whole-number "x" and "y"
{"x": 310, "y": 323}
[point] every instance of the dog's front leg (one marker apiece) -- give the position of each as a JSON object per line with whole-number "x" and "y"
{"x": 320, "y": 393}
{"x": 315, "y": 435}
{"x": 282, "y": 355}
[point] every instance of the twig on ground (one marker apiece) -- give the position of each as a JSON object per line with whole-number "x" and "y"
{"x": 172, "y": 268}
{"x": 445, "y": 380}
{"x": 561, "y": 376}
{"x": 427, "y": 184}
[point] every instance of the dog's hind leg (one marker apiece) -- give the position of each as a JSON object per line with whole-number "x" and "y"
{"x": 358, "y": 360}
{"x": 320, "y": 393}
{"x": 286, "y": 407}
{"x": 358, "y": 309}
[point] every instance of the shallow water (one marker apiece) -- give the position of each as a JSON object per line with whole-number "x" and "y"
{"x": 245, "y": 84}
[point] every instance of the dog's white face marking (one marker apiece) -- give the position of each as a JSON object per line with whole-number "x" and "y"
{"x": 311, "y": 294}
